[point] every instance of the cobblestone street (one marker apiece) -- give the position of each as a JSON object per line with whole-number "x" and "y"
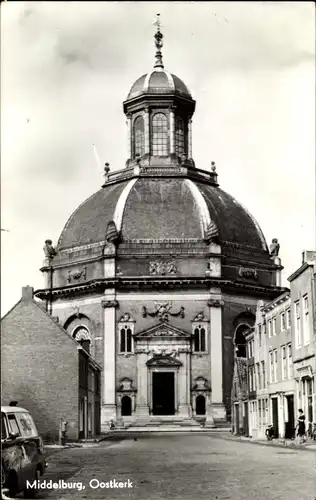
{"x": 184, "y": 466}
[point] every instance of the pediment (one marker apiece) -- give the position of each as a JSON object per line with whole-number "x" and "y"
{"x": 163, "y": 330}
{"x": 163, "y": 361}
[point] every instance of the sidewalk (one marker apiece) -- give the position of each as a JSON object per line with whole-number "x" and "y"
{"x": 283, "y": 443}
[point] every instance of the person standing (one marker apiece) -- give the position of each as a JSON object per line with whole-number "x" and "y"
{"x": 301, "y": 427}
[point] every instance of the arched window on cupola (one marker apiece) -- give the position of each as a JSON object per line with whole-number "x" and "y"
{"x": 139, "y": 137}
{"x": 180, "y": 136}
{"x": 160, "y": 133}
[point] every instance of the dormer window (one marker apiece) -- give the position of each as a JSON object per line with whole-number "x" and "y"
{"x": 139, "y": 137}
{"x": 160, "y": 133}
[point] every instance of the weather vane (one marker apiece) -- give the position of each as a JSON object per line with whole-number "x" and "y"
{"x": 158, "y": 42}
{"x": 157, "y": 22}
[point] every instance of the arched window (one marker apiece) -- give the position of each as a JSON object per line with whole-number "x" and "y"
{"x": 180, "y": 139}
{"x": 240, "y": 341}
{"x": 82, "y": 336}
{"x": 200, "y": 405}
{"x": 125, "y": 331}
{"x": 126, "y": 406}
{"x": 139, "y": 137}
{"x": 160, "y": 140}
{"x": 125, "y": 339}
{"x": 199, "y": 338}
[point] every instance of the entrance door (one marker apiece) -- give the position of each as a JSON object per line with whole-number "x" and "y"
{"x": 290, "y": 424}
{"x": 163, "y": 393}
{"x": 126, "y": 406}
{"x": 200, "y": 405}
{"x": 275, "y": 416}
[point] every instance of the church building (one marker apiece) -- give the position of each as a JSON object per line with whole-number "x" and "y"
{"x": 160, "y": 271}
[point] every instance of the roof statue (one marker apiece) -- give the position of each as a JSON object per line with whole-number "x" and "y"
{"x": 49, "y": 250}
{"x": 274, "y": 248}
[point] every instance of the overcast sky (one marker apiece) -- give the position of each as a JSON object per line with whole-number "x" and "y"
{"x": 67, "y": 67}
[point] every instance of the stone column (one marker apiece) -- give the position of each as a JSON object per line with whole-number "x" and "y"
{"x": 142, "y": 409}
{"x": 129, "y": 135}
{"x": 147, "y": 131}
{"x": 218, "y": 409}
{"x": 108, "y": 409}
{"x": 172, "y": 131}
{"x": 190, "y": 138}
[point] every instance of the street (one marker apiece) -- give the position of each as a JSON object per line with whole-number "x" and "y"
{"x": 176, "y": 466}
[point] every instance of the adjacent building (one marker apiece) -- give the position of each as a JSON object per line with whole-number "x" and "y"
{"x": 261, "y": 374}
{"x": 279, "y": 365}
{"x": 280, "y": 360}
{"x": 240, "y": 414}
{"x": 49, "y": 372}
{"x": 303, "y": 317}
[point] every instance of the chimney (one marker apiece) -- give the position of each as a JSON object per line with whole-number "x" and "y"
{"x": 308, "y": 256}
{"x": 27, "y": 292}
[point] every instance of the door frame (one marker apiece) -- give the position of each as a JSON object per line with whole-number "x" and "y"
{"x": 161, "y": 394}
{"x": 276, "y": 427}
{"x": 156, "y": 369}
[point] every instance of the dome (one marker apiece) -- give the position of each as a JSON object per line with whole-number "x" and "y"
{"x": 161, "y": 208}
{"x": 159, "y": 81}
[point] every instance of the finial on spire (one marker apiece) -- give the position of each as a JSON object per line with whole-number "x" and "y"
{"x": 158, "y": 42}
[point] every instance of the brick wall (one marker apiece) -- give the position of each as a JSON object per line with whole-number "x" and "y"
{"x": 39, "y": 368}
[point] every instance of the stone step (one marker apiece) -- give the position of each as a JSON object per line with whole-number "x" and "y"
{"x": 155, "y": 423}
{"x": 170, "y": 428}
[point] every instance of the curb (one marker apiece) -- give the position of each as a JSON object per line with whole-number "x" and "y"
{"x": 290, "y": 446}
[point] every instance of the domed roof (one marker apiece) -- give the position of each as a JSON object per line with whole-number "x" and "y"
{"x": 159, "y": 81}
{"x": 161, "y": 208}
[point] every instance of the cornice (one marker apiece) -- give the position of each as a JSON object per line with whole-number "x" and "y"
{"x": 153, "y": 282}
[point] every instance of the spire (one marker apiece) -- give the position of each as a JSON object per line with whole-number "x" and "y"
{"x": 158, "y": 42}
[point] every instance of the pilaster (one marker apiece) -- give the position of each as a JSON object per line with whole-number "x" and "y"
{"x": 172, "y": 131}
{"x": 109, "y": 260}
{"x": 183, "y": 399}
{"x": 215, "y": 261}
{"x": 215, "y": 304}
{"x": 190, "y": 138}
{"x": 143, "y": 387}
{"x": 209, "y": 421}
{"x": 108, "y": 409}
{"x": 129, "y": 135}
{"x": 147, "y": 131}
